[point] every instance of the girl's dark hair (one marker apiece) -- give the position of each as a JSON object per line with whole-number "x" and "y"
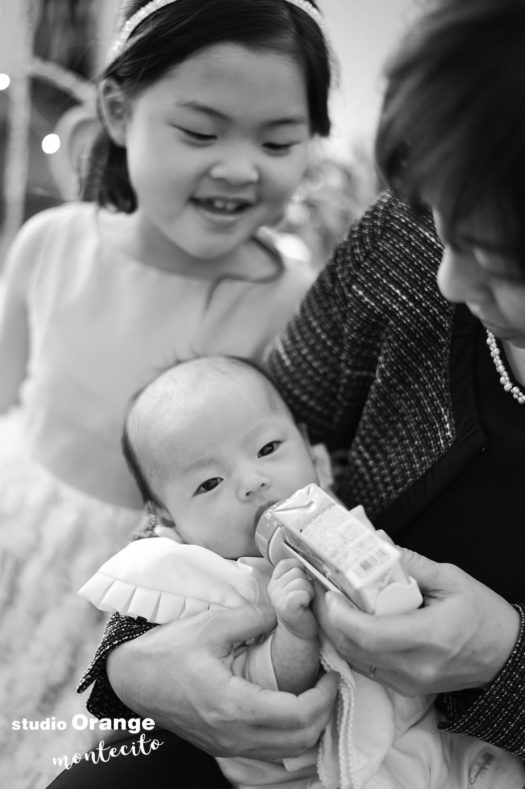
{"x": 176, "y": 32}
{"x": 453, "y": 117}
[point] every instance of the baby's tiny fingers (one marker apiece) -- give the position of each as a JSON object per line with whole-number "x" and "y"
{"x": 285, "y": 566}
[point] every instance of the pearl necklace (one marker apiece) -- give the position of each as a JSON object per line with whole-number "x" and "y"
{"x": 504, "y": 379}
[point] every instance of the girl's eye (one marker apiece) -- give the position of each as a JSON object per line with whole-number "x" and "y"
{"x": 208, "y": 485}
{"x": 269, "y": 448}
{"x": 197, "y": 136}
{"x": 279, "y": 147}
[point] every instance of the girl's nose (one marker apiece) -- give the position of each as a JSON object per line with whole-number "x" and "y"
{"x": 235, "y": 166}
{"x": 461, "y": 280}
{"x": 251, "y": 485}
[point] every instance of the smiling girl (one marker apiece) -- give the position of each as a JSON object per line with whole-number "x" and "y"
{"x": 207, "y": 108}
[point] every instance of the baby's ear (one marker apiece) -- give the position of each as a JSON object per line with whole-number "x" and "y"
{"x": 164, "y": 525}
{"x": 320, "y": 459}
{"x": 323, "y": 465}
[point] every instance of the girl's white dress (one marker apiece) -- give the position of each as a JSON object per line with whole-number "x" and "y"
{"x": 101, "y": 326}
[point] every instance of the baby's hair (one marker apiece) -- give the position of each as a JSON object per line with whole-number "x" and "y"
{"x": 215, "y": 363}
{"x": 132, "y": 461}
{"x": 177, "y": 31}
{"x": 453, "y": 116}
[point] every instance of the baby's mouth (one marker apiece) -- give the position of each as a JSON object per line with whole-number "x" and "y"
{"x": 222, "y": 206}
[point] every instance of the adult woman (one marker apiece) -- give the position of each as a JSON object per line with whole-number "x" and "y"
{"x": 379, "y": 363}
{"x": 429, "y": 396}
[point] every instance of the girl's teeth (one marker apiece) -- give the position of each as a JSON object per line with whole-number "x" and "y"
{"x": 226, "y": 206}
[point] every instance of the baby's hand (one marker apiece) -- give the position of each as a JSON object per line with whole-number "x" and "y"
{"x": 291, "y": 593}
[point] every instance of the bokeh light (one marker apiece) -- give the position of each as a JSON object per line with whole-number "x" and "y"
{"x": 51, "y": 143}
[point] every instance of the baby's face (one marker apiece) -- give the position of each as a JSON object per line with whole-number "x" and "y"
{"x": 234, "y": 451}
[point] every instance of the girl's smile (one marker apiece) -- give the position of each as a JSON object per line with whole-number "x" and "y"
{"x": 223, "y": 210}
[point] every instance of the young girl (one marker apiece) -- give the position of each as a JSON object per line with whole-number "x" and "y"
{"x": 208, "y": 108}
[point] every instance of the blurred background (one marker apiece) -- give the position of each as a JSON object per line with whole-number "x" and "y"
{"x": 50, "y": 49}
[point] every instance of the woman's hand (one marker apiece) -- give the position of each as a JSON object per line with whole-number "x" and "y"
{"x": 180, "y": 675}
{"x": 460, "y": 638}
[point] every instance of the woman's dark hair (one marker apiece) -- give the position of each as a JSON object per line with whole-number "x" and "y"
{"x": 453, "y": 117}
{"x": 179, "y": 30}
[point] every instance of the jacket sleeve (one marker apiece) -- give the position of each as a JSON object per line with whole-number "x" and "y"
{"x": 103, "y": 702}
{"x": 495, "y": 714}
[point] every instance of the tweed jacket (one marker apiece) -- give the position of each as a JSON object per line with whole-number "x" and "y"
{"x": 370, "y": 364}
{"x": 366, "y": 365}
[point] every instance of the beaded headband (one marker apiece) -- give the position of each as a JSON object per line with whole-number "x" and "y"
{"x": 139, "y": 16}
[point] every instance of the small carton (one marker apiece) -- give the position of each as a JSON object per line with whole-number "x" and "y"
{"x": 340, "y": 548}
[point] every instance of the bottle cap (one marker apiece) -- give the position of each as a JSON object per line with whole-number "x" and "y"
{"x": 269, "y": 538}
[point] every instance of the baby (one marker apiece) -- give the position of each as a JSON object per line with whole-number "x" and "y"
{"x": 212, "y": 444}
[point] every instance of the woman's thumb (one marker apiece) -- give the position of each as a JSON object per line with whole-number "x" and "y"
{"x": 426, "y": 572}
{"x": 244, "y": 623}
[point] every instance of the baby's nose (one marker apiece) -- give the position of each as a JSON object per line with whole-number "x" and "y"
{"x": 251, "y": 487}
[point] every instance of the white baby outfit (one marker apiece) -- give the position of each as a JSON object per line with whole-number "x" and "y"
{"x": 101, "y": 326}
{"x": 376, "y": 738}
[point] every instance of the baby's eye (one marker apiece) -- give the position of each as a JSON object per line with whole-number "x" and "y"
{"x": 269, "y": 448}
{"x": 208, "y": 485}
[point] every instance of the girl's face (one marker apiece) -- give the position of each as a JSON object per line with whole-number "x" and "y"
{"x": 476, "y": 271}
{"x": 215, "y": 148}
